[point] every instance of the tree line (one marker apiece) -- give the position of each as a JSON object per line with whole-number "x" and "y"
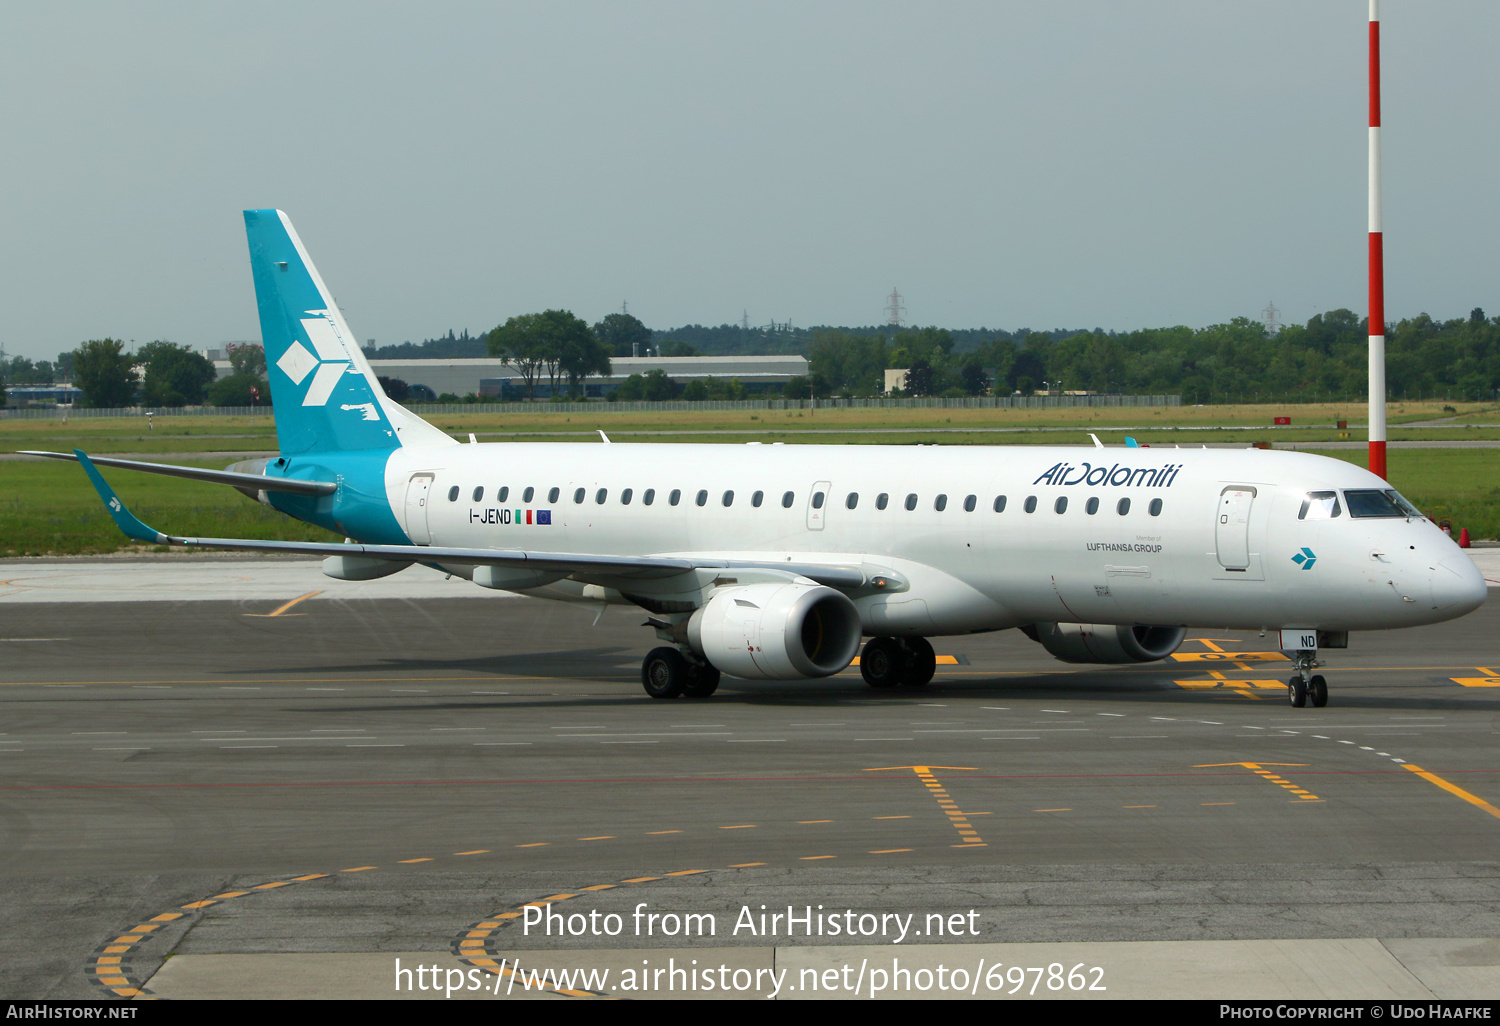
{"x": 160, "y": 373}
{"x": 1238, "y": 361}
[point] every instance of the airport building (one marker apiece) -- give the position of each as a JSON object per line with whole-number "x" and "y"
{"x": 495, "y": 377}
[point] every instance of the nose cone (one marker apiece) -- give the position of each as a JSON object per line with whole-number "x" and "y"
{"x": 1458, "y": 587}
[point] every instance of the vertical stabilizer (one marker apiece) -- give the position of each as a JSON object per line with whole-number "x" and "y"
{"x": 326, "y": 397}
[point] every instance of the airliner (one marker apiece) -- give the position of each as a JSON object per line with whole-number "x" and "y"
{"x": 775, "y": 562}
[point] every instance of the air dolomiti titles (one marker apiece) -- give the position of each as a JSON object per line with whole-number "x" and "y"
{"x": 1115, "y": 475}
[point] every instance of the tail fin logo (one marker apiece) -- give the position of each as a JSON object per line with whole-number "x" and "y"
{"x": 331, "y": 361}
{"x": 368, "y": 408}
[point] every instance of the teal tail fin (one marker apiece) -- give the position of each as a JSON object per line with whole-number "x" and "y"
{"x": 325, "y": 395}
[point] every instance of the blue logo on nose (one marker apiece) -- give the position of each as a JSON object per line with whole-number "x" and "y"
{"x": 1306, "y": 558}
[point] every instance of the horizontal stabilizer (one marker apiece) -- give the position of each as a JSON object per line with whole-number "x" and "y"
{"x": 228, "y": 477}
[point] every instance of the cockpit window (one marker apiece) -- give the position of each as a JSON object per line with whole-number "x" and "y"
{"x": 1376, "y": 502}
{"x": 1320, "y": 506}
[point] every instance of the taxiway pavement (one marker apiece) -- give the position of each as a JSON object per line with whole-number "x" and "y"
{"x": 290, "y": 795}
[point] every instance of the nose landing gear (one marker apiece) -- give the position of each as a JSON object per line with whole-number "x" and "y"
{"x": 1306, "y": 685}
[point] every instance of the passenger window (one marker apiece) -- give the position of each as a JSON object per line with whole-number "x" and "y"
{"x": 882, "y": 500}
{"x": 1122, "y": 507}
{"x": 702, "y": 498}
{"x": 757, "y": 499}
{"x": 503, "y": 493}
{"x": 1092, "y": 506}
{"x": 527, "y": 494}
{"x": 1320, "y": 506}
{"x": 553, "y": 494}
{"x": 578, "y": 495}
{"x": 453, "y": 494}
{"x": 1030, "y": 505}
{"x": 970, "y": 501}
{"x": 940, "y": 503}
{"x": 479, "y": 493}
{"x": 601, "y": 495}
{"x": 729, "y": 498}
{"x": 675, "y": 497}
{"x": 787, "y": 499}
{"x": 999, "y": 504}
{"x": 1061, "y": 505}
{"x": 648, "y": 496}
{"x": 817, "y": 500}
{"x": 852, "y": 500}
{"x": 626, "y": 495}
{"x": 1155, "y": 508}
{"x": 911, "y": 501}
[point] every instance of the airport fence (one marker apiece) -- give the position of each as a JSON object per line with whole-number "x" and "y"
{"x": 1008, "y": 402}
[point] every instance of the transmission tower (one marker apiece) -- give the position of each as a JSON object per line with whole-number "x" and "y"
{"x": 1271, "y": 317}
{"x": 745, "y": 321}
{"x": 894, "y": 309}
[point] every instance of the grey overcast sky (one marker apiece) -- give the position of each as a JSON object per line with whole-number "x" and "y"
{"x": 1010, "y": 163}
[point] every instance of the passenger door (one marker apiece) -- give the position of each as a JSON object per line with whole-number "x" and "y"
{"x": 1232, "y": 531}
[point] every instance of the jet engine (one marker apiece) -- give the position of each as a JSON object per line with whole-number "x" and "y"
{"x": 1106, "y": 642}
{"x": 776, "y": 631}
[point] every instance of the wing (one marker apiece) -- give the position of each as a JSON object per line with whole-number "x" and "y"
{"x": 843, "y": 577}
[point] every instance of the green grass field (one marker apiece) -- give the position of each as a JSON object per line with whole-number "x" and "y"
{"x": 48, "y": 507}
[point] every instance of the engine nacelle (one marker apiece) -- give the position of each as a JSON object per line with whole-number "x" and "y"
{"x": 777, "y": 631}
{"x": 1106, "y": 642}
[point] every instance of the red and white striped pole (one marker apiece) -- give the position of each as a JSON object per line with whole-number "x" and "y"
{"x": 1377, "y": 261}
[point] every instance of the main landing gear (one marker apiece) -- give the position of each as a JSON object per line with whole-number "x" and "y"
{"x": 892, "y": 662}
{"x": 1307, "y": 685}
{"x": 667, "y": 673}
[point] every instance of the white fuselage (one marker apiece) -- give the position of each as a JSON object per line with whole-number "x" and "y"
{"x": 1208, "y": 540}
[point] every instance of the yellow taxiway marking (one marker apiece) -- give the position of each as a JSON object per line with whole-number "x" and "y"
{"x": 1215, "y": 649}
{"x": 959, "y": 820}
{"x": 942, "y": 660}
{"x": 746, "y": 865}
{"x": 1239, "y": 687}
{"x": 1454, "y": 789}
{"x": 282, "y": 609}
{"x": 1229, "y": 657}
{"x": 1488, "y": 680}
{"x": 1267, "y": 775}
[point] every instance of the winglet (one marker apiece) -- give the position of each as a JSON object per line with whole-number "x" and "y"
{"x": 124, "y": 519}
{"x": 1131, "y": 443}
{"x": 1097, "y": 444}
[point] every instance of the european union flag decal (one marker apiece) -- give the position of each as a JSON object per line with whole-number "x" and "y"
{"x": 544, "y": 516}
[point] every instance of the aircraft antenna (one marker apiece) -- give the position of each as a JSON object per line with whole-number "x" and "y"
{"x": 1377, "y": 261}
